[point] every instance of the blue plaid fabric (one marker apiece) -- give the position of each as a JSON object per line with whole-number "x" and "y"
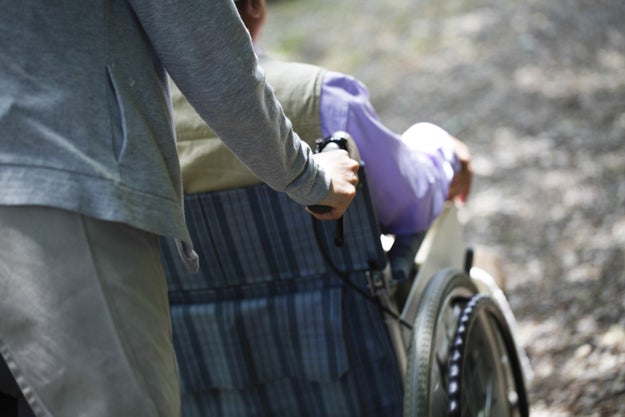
{"x": 267, "y": 328}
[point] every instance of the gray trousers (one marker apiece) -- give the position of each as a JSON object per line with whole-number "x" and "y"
{"x": 84, "y": 317}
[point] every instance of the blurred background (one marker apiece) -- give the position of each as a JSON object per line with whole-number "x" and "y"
{"x": 537, "y": 90}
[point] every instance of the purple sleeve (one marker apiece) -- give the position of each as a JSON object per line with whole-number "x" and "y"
{"x": 409, "y": 174}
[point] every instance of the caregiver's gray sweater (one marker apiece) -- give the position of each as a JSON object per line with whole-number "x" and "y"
{"x": 85, "y": 120}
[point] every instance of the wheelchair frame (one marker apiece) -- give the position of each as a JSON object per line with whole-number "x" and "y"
{"x": 409, "y": 298}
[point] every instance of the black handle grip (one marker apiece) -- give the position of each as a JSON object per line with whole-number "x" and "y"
{"x": 331, "y": 143}
{"x": 334, "y": 142}
{"x": 319, "y": 209}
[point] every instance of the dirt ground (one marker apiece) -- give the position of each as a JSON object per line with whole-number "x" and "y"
{"x": 537, "y": 90}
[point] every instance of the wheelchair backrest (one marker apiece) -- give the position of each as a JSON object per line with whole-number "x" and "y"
{"x": 268, "y": 327}
{"x": 251, "y": 236}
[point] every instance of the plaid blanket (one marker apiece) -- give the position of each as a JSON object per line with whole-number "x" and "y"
{"x": 268, "y": 327}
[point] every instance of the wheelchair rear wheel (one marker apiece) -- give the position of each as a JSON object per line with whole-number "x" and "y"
{"x": 436, "y": 322}
{"x": 485, "y": 377}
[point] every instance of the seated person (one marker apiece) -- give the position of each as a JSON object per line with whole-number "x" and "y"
{"x": 410, "y": 175}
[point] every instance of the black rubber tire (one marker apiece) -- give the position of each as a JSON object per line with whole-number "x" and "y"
{"x": 438, "y": 314}
{"x": 485, "y": 374}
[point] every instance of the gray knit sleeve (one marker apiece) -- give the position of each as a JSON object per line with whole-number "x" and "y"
{"x": 208, "y": 53}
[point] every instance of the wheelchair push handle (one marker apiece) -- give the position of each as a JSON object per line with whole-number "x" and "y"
{"x": 334, "y": 142}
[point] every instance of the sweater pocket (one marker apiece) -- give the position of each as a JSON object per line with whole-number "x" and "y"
{"x": 243, "y": 343}
{"x": 116, "y": 116}
{"x": 142, "y": 136}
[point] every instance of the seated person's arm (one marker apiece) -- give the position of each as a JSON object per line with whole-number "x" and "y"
{"x": 409, "y": 175}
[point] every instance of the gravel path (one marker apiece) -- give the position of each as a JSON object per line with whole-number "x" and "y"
{"x": 537, "y": 89}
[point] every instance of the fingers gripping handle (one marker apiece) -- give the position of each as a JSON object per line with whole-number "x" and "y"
{"x": 331, "y": 143}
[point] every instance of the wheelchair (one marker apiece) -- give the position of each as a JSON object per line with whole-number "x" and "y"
{"x": 287, "y": 319}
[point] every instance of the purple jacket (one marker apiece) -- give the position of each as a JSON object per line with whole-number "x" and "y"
{"x": 408, "y": 174}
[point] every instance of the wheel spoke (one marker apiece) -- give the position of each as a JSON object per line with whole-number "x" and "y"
{"x": 488, "y": 381}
